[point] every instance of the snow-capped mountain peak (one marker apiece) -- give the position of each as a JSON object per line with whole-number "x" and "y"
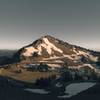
{"x": 48, "y": 48}
{"x": 46, "y": 44}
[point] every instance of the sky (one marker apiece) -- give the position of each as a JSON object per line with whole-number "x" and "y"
{"x": 74, "y": 21}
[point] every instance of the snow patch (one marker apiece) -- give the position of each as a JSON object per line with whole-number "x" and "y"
{"x": 54, "y": 65}
{"x": 39, "y": 91}
{"x": 80, "y": 52}
{"x": 68, "y": 56}
{"x": 58, "y": 85}
{"x": 93, "y": 58}
{"x": 49, "y": 46}
{"x": 80, "y": 66}
{"x": 29, "y": 51}
{"x": 86, "y": 54}
{"x": 52, "y": 57}
{"x": 89, "y": 65}
{"x": 75, "y": 88}
{"x": 58, "y": 61}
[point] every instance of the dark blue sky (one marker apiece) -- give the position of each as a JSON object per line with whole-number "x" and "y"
{"x": 74, "y": 21}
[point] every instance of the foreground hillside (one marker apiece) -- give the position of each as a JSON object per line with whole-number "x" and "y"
{"x": 9, "y": 91}
{"x": 26, "y": 76}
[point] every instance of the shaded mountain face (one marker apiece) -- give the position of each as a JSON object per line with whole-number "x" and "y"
{"x": 48, "y": 48}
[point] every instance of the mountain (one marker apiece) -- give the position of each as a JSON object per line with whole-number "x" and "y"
{"x": 51, "y": 50}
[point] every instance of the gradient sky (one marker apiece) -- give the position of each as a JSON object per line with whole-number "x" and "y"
{"x": 74, "y": 21}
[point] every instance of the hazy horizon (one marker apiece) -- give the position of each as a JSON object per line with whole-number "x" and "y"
{"x": 74, "y": 21}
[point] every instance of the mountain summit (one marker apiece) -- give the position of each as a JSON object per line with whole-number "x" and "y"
{"x": 48, "y": 48}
